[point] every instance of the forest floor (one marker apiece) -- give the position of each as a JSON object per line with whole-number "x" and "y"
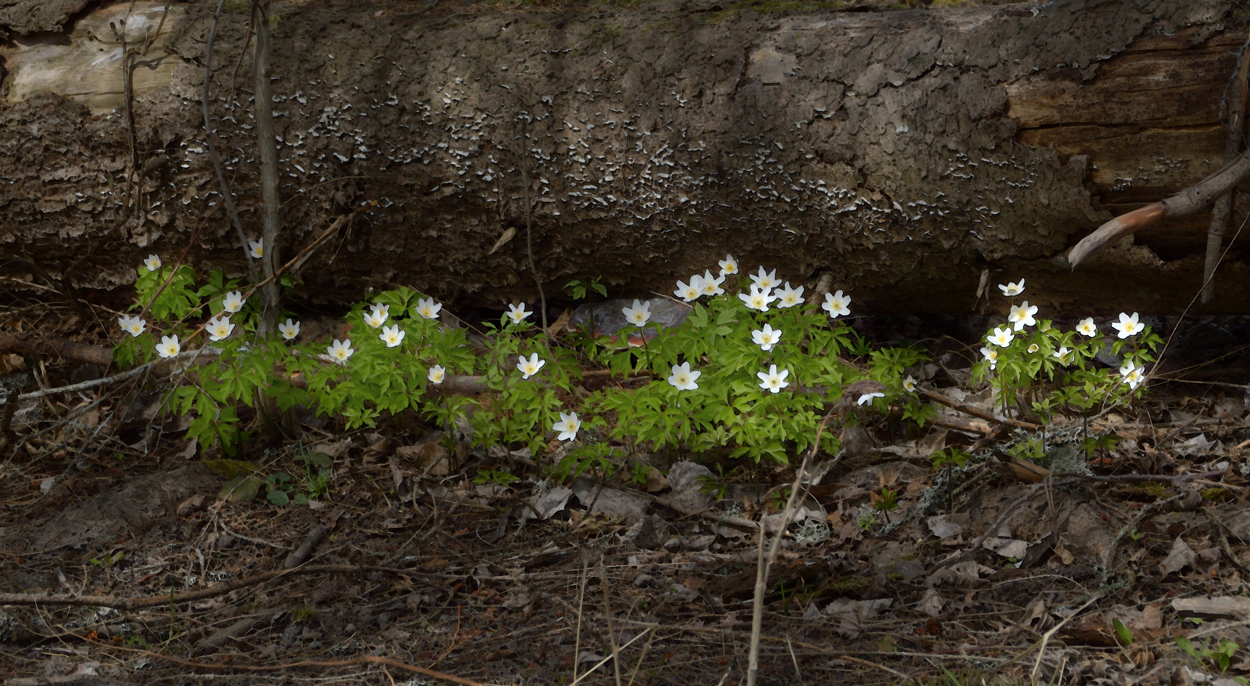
{"x": 119, "y": 563}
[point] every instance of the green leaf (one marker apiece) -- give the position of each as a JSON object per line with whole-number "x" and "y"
{"x": 320, "y": 460}
{"x": 240, "y": 489}
{"x": 279, "y": 498}
{"x": 1123, "y": 633}
{"x": 1186, "y": 646}
{"x": 698, "y": 318}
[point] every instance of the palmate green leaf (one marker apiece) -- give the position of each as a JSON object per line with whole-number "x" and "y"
{"x": 240, "y": 489}
{"x": 698, "y": 317}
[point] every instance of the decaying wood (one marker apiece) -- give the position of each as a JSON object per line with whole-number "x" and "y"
{"x": 855, "y": 145}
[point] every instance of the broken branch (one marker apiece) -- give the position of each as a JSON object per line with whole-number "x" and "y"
{"x": 1189, "y": 201}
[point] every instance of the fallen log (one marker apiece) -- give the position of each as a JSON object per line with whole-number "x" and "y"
{"x": 854, "y": 145}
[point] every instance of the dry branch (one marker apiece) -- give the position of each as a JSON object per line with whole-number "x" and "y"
{"x": 1189, "y": 201}
{"x": 166, "y": 600}
{"x": 29, "y": 344}
{"x": 976, "y": 412}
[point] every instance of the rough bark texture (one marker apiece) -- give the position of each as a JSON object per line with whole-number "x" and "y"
{"x": 24, "y": 16}
{"x": 904, "y": 152}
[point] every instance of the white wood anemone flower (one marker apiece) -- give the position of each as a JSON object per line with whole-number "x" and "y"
{"x": 168, "y": 347}
{"x": 867, "y": 398}
{"x": 131, "y": 324}
{"x": 789, "y": 297}
{"x": 1033, "y": 348}
{"x": 1022, "y": 315}
{"x": 1086, "y": 327}
{"x": 219, "y": 328}
{"x": 233, "y": 302}
{"x": 1062, "y": 355}
{"x": 529, "y": 366}
{"x": 728, "y": 265}
{"x": 428, "y": 309}
{"x": 764, "y": 280}
{"x": 1133, "y": 375}
{"x": 757, "y": 299}
{"x": 518, "y": 313}
{"x": 766, "y": 337}
{"x": 837, "y": 304}
{"x": 1002, "y": 337}
{"x": 257, "y": 248}
{"x": 1128, "y": 326}
{"x": 289, "y": 329}
{"x": 152, "y": 263}
{"x": 991, "y": 356}
{"x": 690, "y": 292}
{"x": 772, "y": 380}
{"x": 340, "y": 351}
{"x": 683, "y": 379}
{"x": 639, "y": 314}
{"x": 392, "y": 336}
{"x": 711, "y": 284}
{"x": 567, "y": 426}
{"x": 378, "y": 315}
{"x": 436, "y": 374}
{"x": 1012, "y": 289}
{"x": 909, "y": 384}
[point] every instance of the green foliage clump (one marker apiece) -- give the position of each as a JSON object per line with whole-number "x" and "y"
{"x": 738, "y": 380}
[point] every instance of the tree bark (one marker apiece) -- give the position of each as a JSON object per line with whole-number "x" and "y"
{"x": 902, "y": 153}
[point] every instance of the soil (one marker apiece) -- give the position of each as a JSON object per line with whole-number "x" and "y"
{"x": 121, "y": 563}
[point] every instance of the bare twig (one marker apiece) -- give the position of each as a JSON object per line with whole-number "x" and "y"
{"x": 240, "y": 628}
{"x": 1041, "y": 642}
{"x": 117, "y": 378}
{"x": 529, "y": 238}
{"x": 873, "y": 665}
{"x": 233, "y": 666}
{"x": 71, "y": 350}
{"x": 210, "y": 138}
{"x": 764, "y": 563}
{"x": 581, "y": 599}
{"x": 128, "y": 604}
{"x": 976, "y": 412}
{"x": 604, "y": 661}
{"x": 607, "y": 615}
{"x": 1168, "y": 343}
{"x": 300, "y": 554}
{"x": 1232, "y": 146}
{"x": 266, "y": 141}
